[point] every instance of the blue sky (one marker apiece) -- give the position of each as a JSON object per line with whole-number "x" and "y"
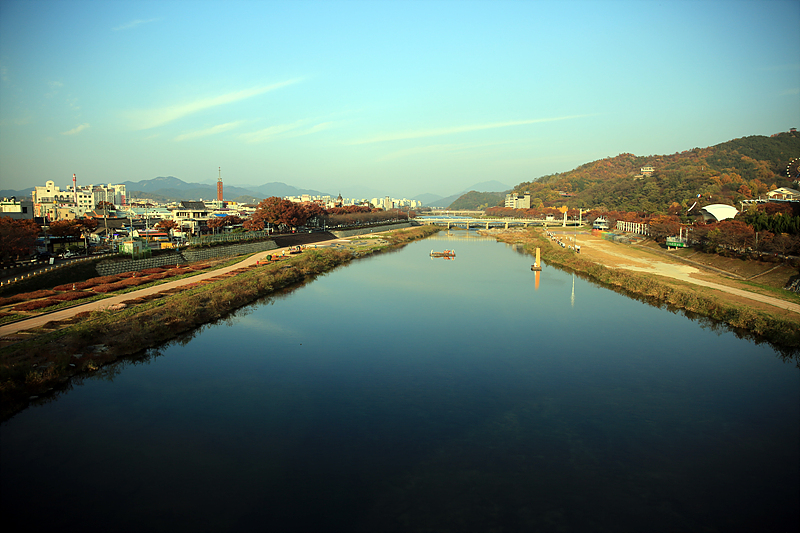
{"x": 402, "y": 98}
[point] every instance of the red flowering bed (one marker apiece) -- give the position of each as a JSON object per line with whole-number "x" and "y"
{"x": 133, "y": 282}
{"x": 111, "y": 287}
{"x": 91, "y": 282}
{"x": 161, "y": 275}
{"x": 128, "y": 274}
{"x": 31, "y": 306}
{"x": 69, "y": 296}
{"x": 154, "y": 270}
{"x": 178, "y": 271}
{"x": 26, "y": 296}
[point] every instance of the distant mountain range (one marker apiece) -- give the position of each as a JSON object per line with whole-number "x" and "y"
{"x": 170, "y": 188}
{"x": 434, "y": 200}
{"x": 174, "y": 189}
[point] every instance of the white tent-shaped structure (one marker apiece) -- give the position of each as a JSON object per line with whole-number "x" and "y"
{"x": 718, "y": 212}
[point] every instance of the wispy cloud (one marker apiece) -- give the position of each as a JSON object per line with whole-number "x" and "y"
{"x": 458, "y": 129}
{"x": 54, "y": 88}
{"x": 133, "y": 24}
{"x": 294, "y": 129}
{"x": 209, "y": 131}
{"x": 152, "y": 118}
{"x": 75, "y": 130}
{"x": 437, "y": 148}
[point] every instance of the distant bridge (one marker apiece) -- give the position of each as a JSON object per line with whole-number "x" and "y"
{"x": 470, "y": 222}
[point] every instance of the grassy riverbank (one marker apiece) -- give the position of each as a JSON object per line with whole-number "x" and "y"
{"x": 777, "y": 327}
{"x": 45, "y": 363}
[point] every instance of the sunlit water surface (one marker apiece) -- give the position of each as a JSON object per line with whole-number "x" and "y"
{"x": 408, "y": 393}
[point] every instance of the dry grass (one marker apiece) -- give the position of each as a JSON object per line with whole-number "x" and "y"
{"x": 776, "y": 326}
{"x": 136, "y": 327}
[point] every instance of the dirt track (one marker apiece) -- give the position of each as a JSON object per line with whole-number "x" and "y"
{"x": 614, "y": 255}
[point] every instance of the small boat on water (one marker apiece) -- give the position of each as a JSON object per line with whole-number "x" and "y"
{"x": 446, "y": 253}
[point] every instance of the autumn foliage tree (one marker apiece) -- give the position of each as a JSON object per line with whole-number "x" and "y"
{"x": 167, "y": 224}
{"x": 662, "y": 227}
{"x": 226, "y": 221}
{"x": 276, "y": 211}
{"x": 17, "y": 237}
{"x": 72, "y": 228}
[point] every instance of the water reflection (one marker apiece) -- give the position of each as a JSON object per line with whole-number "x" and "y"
{"x": 400, "y": 393}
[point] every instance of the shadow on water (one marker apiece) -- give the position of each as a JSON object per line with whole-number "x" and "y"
{"x": 108, "y": 371}
{"x": 789, "y": 354}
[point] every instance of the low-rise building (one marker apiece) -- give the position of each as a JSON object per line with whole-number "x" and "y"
{"x": 16, "y": 209}
{"x": 784, "y": 194}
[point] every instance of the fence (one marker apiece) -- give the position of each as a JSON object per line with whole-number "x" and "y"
{"x": 186, "y": 256}
{"x": 205, "y": 240}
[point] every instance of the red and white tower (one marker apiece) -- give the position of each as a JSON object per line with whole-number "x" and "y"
{"x": 75, "y": 188}
{"x": 219, "y": 185}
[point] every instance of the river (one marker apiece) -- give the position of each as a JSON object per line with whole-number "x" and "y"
{"x": 402, "y": 392}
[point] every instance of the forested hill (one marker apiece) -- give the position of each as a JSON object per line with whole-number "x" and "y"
{"x": 740, "y": 169}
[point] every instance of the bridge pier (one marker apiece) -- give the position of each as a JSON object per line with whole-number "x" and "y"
{"x": 506, "y": 224}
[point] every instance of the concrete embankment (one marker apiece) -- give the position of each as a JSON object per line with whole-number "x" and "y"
{"x": 190, "y": 255}
{"x": 372, "y": 229}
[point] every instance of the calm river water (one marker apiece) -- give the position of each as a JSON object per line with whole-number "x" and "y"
{"x": 408, "y": 393}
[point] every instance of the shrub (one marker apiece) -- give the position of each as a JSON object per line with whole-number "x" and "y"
{"x": 154, "y": 270}
{"x": 33, "y": 305}
{"x": 69, "y": 296}
{"x": 26, "y": 296}
{"x": 132, "y": 282}
{"x": 160, "y": 275}
{"x": 111, "y": 287}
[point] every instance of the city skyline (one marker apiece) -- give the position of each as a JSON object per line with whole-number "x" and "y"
{"x": 405, "y": 97}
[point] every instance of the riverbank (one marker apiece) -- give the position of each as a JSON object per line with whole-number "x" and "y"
{"x": 38, "y": 368}
{"x": 708, "y": 294}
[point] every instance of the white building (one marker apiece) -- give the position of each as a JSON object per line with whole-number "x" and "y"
{"x": 48, "y": 199}
{"x": 518, "y": 201}
{"x": 785, "y": 194}
{"x": 113, "y": 194}
{"x": 16, "y": 209}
